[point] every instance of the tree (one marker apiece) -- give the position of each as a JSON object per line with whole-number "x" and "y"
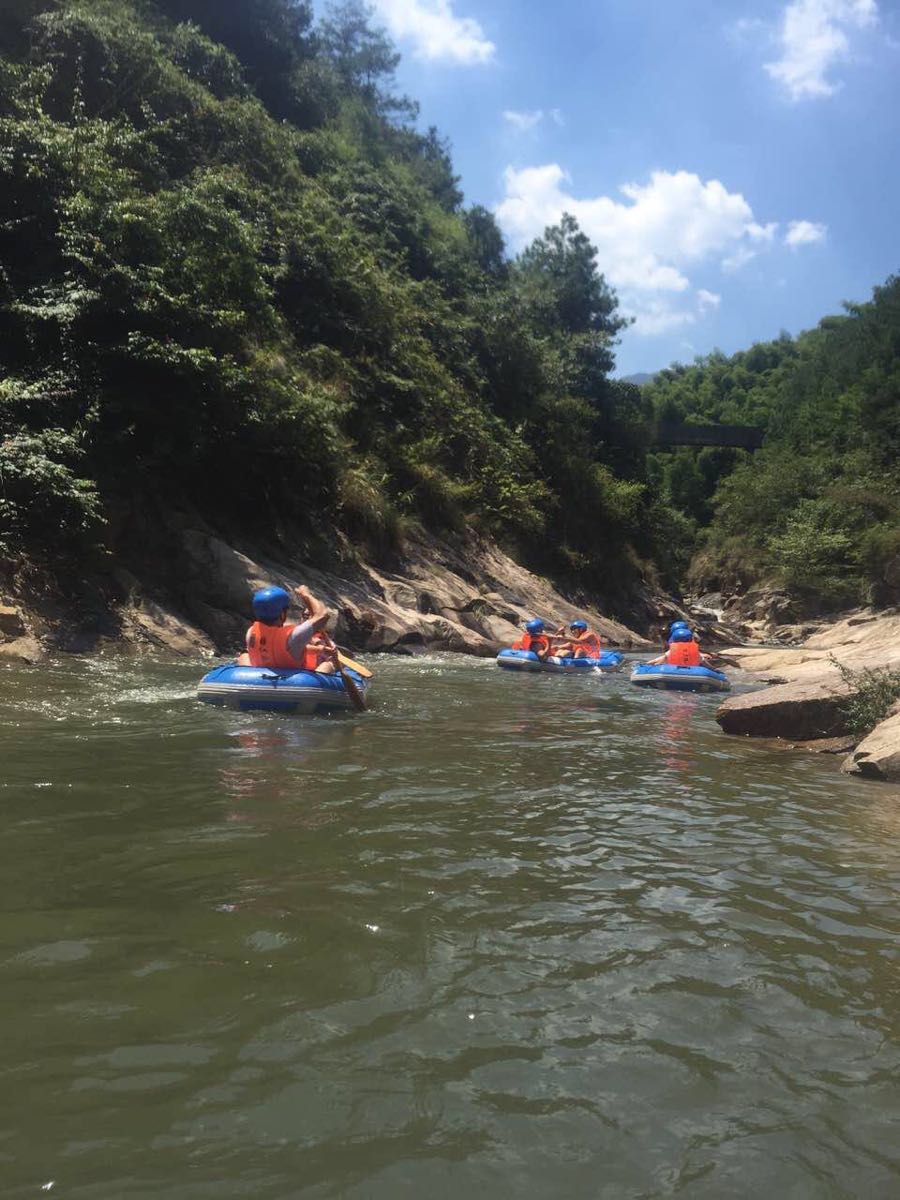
{"x": 364, "y": 58}
{"x": 563, "y": 266}
{"x": 272, "y": 39}
{"x": 570, "y": 299}
{"x": 487, "y": 242}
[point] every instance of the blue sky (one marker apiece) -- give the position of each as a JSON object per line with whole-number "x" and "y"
{"x": 756, "y": 144}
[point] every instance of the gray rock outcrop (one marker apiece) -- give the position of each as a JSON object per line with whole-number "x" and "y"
{"x": 436, "y": 600}
{"x": 796, "y": 711}
{"x": 878, "y": 755}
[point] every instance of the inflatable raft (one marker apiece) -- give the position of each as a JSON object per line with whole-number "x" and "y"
{"x": 269, "y": 689}
{"x": 527, "y": 660}
{"x": 680, "y": 679}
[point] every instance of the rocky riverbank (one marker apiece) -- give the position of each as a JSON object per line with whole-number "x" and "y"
{"x": 472, "y": 600}
{"x": 808, "y": 703}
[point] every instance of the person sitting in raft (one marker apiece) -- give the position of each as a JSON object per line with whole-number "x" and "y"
{"x": 582, "y": 642}
{"x": 534, "y": 639}
{"x": 273, "y": 643}
{"x": 683, "y": 651}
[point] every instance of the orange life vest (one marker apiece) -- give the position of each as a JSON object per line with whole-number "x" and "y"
{"x": 534, "y": 642}
{"x": 589, "y": 641}
{"x": 267, "y": 646}
{"x": 683, "y": 654}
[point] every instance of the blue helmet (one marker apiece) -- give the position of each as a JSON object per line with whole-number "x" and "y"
{"x": 579, "y": 624}
{"x": 681, "y": 633}
{"x": 678, "y": 625}
{"x": 269, "y": 603}
{"x": 534, "y": 627}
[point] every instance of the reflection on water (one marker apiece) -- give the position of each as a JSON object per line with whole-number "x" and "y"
{"x": 501, "y": 936}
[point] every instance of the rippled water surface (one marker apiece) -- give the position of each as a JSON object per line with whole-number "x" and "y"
{"x": 503, "y": 936}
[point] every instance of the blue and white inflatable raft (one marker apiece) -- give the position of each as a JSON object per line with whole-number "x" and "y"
{"x": 679, "y": 679}
{"x": 270, "y": 689}
{"x": 527, "y": 660}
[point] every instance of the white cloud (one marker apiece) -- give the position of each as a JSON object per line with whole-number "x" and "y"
{"x": 653, "y": 317}
{"x": 708, "y": 301}
{"x": 805, "y": 233}
{"x": 436, "y": 33}
{"x": 758, "y": 238}
{"x": 647, "y": 242}
{"x": 814, "y": 37}
{"x": 523, "y": 122}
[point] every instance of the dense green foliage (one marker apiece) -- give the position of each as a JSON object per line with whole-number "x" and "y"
{"x": 236, "y": 276}
{"x": 872, "y": 694}
{"x": 818, "y": 508}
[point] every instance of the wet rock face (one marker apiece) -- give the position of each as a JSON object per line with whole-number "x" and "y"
{"x": 797, "y": 711}
{"x": 11, "y": 623}
{"x": 760, "y": 611}
{"x": 17, "y": 646}
{"x": 21, "y": 651}
{"x": 437, "y": 601}
{"x": 878, "y": 755}
{"x": 710, "y": 602}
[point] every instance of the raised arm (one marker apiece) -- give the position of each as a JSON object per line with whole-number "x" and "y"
{"x": 317, "y": 617}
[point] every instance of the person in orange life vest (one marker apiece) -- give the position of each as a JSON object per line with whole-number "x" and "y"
{"x": 583, "y": 642}
{"x": 271, "y": 642}
{"x": 534, "y": 639}
{"x": 683, "y": 651}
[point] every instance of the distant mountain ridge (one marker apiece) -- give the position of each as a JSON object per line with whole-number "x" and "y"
{"x": 639, "y": 378}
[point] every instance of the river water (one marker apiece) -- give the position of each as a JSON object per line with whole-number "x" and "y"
{"x": 502, "y": 936}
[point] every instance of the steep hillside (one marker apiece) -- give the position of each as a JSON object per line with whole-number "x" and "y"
{"x": 817, "y": 510}
{"x": 239, "y": 281}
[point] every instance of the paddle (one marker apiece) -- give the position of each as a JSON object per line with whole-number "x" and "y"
{"x": 357, "y": 699}
{"x": 354, "y": 666}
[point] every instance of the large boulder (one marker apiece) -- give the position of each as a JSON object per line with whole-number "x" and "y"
{"x": 11, "y": 623}
{"x": 150, "y": 624}
{"x": 797, "y": 711}
{"x": 218, "y": 575}
{"x": 372, "y": 628}
{"x": 878, "y": 755}
{"x": 22, "y": 651}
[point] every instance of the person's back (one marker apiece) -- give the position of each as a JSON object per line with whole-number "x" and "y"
{"x": 267, "y": 646}
{"x": 272, "y": 643}
{"x": 683, "y": 650}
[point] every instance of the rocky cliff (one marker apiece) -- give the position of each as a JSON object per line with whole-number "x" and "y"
{"x": 471, "y": 599}
{"x": 809, "y": 700}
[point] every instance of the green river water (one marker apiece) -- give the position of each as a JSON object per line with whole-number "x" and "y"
{"x": 502, "y": 936}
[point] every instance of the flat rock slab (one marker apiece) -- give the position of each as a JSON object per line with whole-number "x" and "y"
{"x": 795, "y": 711}
{"x": 878, "y": 755}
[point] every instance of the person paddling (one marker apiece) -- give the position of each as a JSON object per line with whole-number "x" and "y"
{"x": 534, "y": 639}
{"x": 271, "y": 642}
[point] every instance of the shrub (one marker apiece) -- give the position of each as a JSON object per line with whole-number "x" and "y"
{"x": 814, "y": 556}
{"x": 365, "y": 512}
{"x": 41, "y": 497}
{"x": 873, "y": 693}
